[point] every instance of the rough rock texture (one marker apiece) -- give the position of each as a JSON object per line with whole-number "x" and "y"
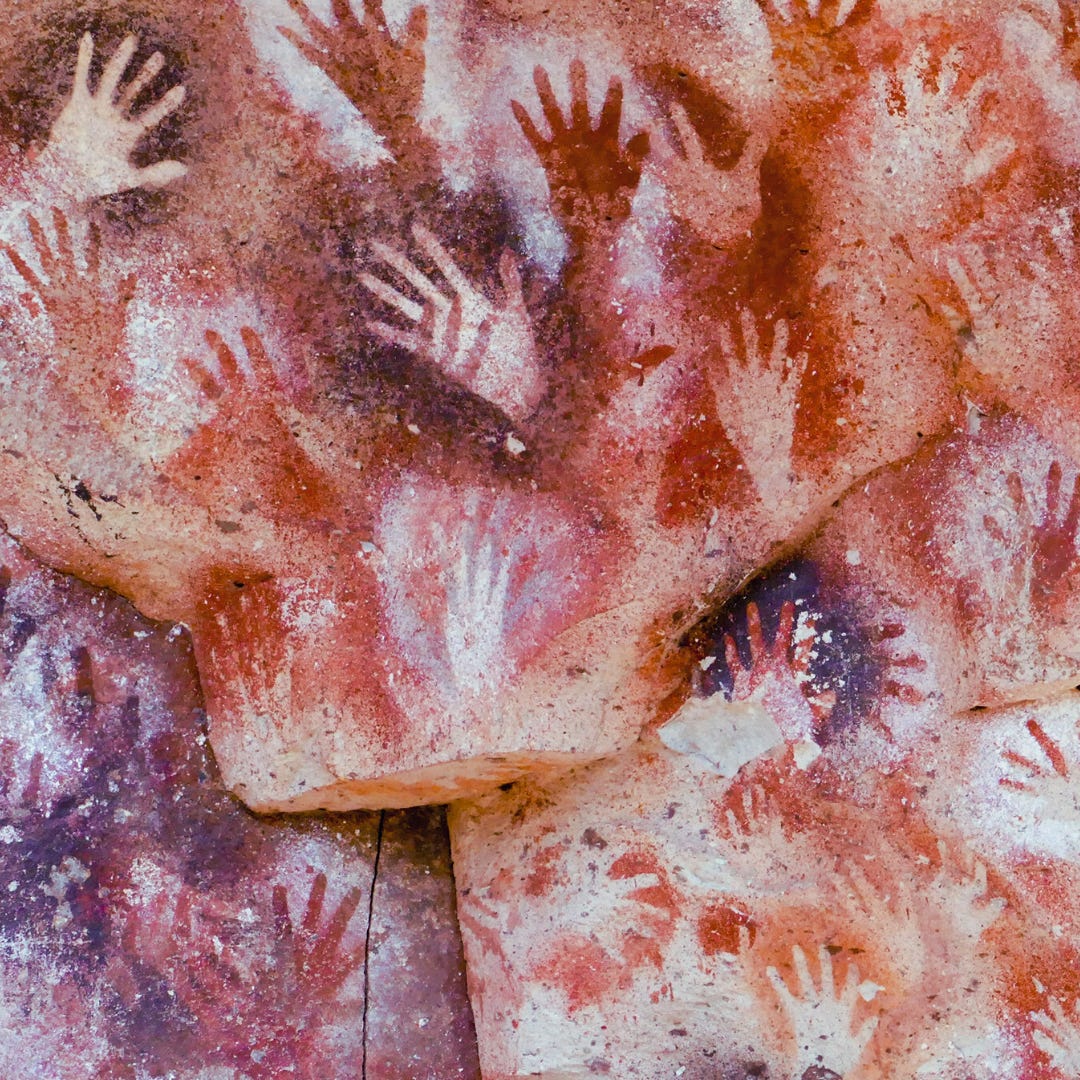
{"x": 150, "y": 925}
{"x": 651, "y": 427}
{"x": 439, "y": 366}
{"x": 833, "y": 849}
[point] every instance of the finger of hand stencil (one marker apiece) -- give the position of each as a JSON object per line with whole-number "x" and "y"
{"x": 972, "y": 101}
{"x": 611, "y": 113}
{"x": 802, "y": 971}
{"x": 442, "y": 258}
{"x": 336, "y": 927}
{"x": 409, "y": 271}
{"x": 783, "y": 9}
{"x": 988, "y": 159}
{"x": 754, "y": 634}
{"x": 168, "y": 103}
{"x": 744, "y": 940}
{"x": 637, "y": 149}
{"x": 748, "y": 326}
{"x": 282, "y": 921}
{"x": 688, "y": 136}
{"x": 64, "y": 248}
{"x": 1046, "y": 1043}
{"x": 727, "y": 344}
{"x": 779, "y": 356}
{"x": 409, "y": 340}
{"x": 731, "y": 656}
{"x": 845, "y": 9}
{"x": 866, "y": 1031}
{"x": 579, "y": 96}
{"x": 1015, "y": 487}
{"x": 390, "y": 296}
{"x": 448, "y": 335}
{"x": 828, "y": 987}
{"x": 93, "y": 251}
{"x": 913, "y": 80}
{"x": 313, "y": 913}
{"x": 82, "y": 65}
{"x": 510, "y": 276}
{"x": 528, "y": 128}
{"x": 787, "y": 998}
{"x": 416, "y": 29}
{"x": 374, "y": 15}
{"x": 949, "y": 71}
{"x": 115, "y": 68}
{"x": 159, "y": 175}
{"x": 127, "y": 288}
{"x": 44, "y": 251}
{"x": 320, "y": 33}
{"x": 229, "y": 365}
{"x": 314, "y": 54}
{"x": 851, "y": 986}
{"x": 1042, "y": 1019}
{"x": 202, "y": 378}
{"x": 24, "y": 271}
{"x": 146, "y": 75}
{"x": 548, "y": 102}
{"x": 262, "y": 367}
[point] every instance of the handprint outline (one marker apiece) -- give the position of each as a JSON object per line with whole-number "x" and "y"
{"x": 591, "y": 175}
{"x": 486, "y": 346}
{"x": 823, "y": 1020}
{"x": 381, "y": 77}
{"x": 87, "y": 311}
{"x": 89, "y": 150}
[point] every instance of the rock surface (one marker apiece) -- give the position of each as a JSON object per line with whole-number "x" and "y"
{"x": 837, "y": 847}
{"x": 515, "y": 337}
{"x": 150, "y": 925}
{"x": 652, "y": 428}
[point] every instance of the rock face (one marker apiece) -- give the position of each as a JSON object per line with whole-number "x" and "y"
{"x": 507, "y": 351}
{"x": 837, "y": 829}
{"x": 149, "y": 924}
{"x": 652, "y": 429}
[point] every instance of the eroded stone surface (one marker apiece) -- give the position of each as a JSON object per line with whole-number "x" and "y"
{"x": 833, "y": 848}
{"x": 150, "y": 925}
{"x": 528, "y": 331}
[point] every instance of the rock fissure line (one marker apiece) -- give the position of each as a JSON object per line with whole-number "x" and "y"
{"x": 367, "y": 944}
